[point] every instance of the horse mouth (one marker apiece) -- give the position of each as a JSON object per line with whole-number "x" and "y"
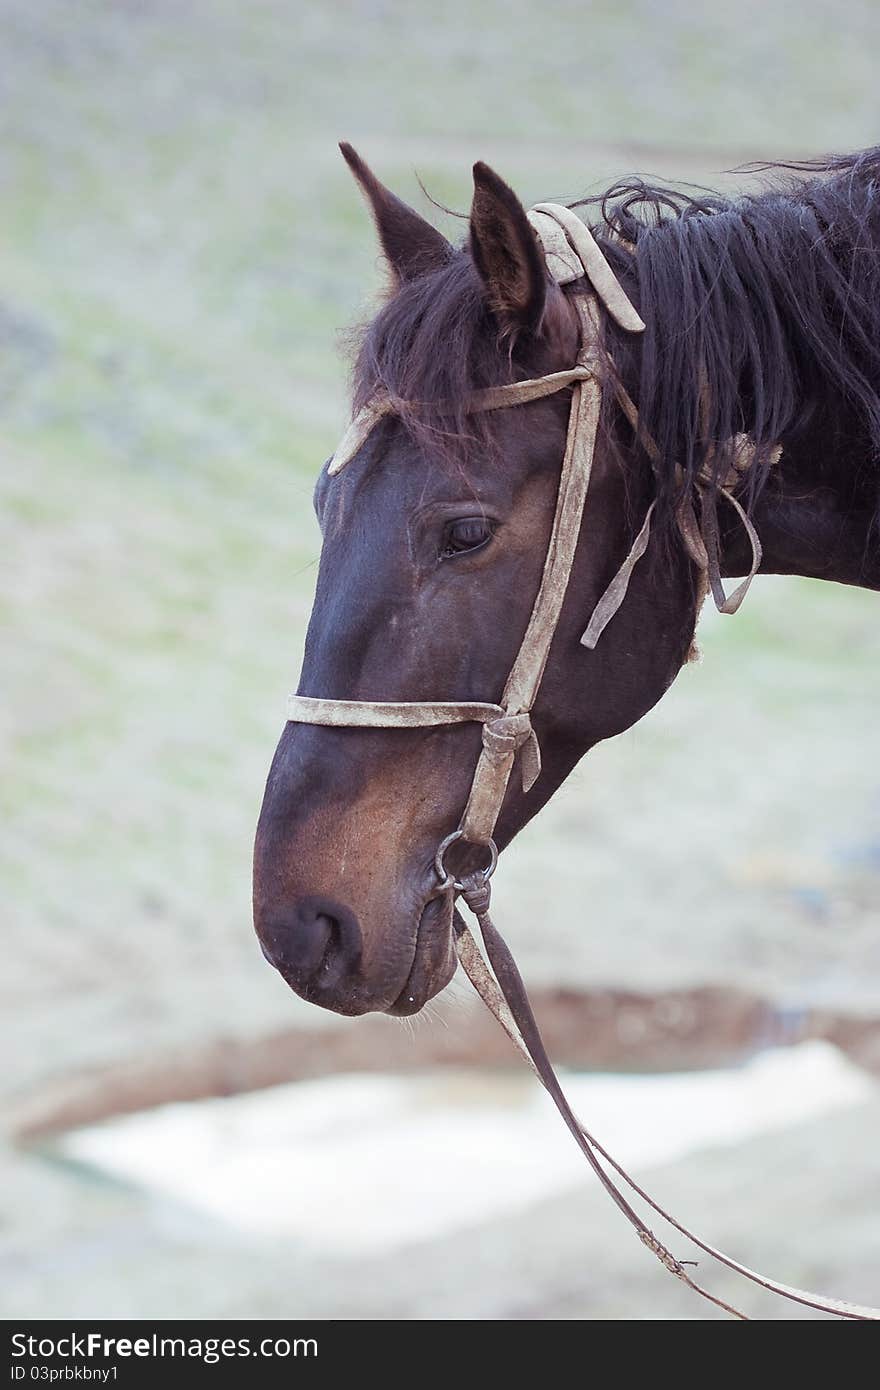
{"x": 434, "y": 958}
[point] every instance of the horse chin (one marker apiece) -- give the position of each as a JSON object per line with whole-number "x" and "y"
{"x": 434, "y": 959}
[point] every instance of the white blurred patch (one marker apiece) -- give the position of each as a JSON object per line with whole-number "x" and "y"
{"x": 363, "y": 1163}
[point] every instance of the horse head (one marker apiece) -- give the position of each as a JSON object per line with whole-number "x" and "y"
{"x": 434, "y": 542}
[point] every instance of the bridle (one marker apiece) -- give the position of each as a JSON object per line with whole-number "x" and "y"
{"x": 572, "y": 254}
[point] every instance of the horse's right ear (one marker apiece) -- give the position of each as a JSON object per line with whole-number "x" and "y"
{"x": 411, "y": 245}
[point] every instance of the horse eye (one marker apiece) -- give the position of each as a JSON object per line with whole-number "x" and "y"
{"x": 467, "y": 533}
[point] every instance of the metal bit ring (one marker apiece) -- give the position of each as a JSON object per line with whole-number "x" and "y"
{"x": 447, "y": 879}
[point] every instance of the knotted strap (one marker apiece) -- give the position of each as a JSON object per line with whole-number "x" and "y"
{"x": 701, "y": 538}
{"x": 502, "y": 740}
{"x": 510, "y": 735}
{"x": 742, "y": 457}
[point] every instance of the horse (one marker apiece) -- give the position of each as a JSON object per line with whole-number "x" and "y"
{"x": 761, "y": 323}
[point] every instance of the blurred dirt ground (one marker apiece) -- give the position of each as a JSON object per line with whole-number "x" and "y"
{"x": 800, "y": 1204}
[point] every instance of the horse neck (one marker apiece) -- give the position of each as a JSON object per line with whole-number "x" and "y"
{"x": 817, "y": 515}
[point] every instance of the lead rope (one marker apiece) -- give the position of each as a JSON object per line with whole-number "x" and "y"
{"x": 506, "y": 998}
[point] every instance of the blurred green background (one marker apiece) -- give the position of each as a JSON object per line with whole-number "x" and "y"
{"x": 180, "y": 248}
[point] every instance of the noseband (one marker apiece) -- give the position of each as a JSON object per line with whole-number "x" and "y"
{"x": 572, "y": 254}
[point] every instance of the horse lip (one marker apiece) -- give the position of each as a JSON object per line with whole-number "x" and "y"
{"x": 352, "y": 1006}
{"x": 428, "y": 974}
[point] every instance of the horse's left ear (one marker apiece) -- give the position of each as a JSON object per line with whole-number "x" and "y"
{"x": 507, "y": 254}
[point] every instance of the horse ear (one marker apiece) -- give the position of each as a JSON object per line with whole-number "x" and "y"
{"x": 506, "y": 252}
{"x": 411, "y": 245}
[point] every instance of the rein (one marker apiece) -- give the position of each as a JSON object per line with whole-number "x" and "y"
{"x": 505, "y": 997}
{"x": 572, "y": 254}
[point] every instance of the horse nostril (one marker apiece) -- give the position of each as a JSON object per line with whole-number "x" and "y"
{"x": 315, "y": 943}
{"x": 309, "y": 941}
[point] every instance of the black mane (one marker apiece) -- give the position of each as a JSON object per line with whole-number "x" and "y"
{"x": 772, "y": 300}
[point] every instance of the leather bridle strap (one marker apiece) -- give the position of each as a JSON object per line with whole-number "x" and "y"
{"x": 535, "y": 388}
{"x": 503, "y": 735}
{"x": 388, "y": 714}
{"x": 572, "y": 252}
{"x": 496, "y": 759}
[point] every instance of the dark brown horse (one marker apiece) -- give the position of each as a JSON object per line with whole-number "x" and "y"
{"x": 763, "y": 318}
